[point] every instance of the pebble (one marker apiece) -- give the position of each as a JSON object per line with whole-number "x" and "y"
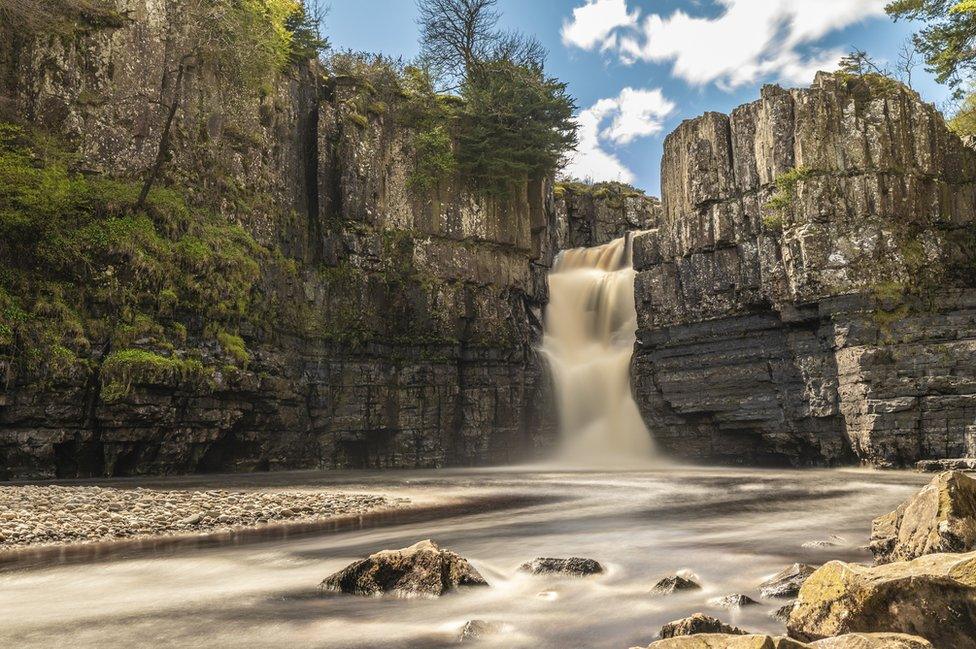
{"x": 55, "y": 515}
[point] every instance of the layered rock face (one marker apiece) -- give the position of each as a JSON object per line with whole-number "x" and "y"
{"x": 804, "y": 300}
{"x": 398, "y": 327}
{"x": 592, "y": 215}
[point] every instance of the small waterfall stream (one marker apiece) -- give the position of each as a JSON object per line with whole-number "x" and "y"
{"x": 590, "y": 331}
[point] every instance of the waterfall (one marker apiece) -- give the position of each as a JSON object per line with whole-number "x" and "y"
{"x": 590, "y": 331}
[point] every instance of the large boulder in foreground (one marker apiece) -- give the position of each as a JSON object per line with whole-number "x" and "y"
{"x": 850, "y": 641}
{"x": 573, "y": 566}
{"x": 422, "y": 570}
{"x": 939, "y": 518}
{"x": 698, "y": 623}
{"x": 933, "y": 596}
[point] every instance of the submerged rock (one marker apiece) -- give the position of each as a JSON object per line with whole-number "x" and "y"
{"x": 674, "y": 583}
{"x": 939, "y": 518}
{"x": 933, "y": 596}
{"x": 477, "y": 629}
{"x": 422, "y": 570}
{"x": 733, "y": 600}
{"x": 832, "y": 542}
{"x": 698, "y": 623}
{"x": 786, "y": 583}
{"x": 575, "y": 566}
{"x": 782, "y": 613}
{"x": 849, "y": 641}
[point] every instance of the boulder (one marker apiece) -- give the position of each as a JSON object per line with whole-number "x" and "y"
{"x": 575, "y": 566}
{"x": 477, "y": 629}
{"x": 727, "y": 641}
{"x": 939, "y": 518}
{"x": 873, "y": 641}
{"x": 733, "y": 600}
{"x": 782, "y": 613}
{"x": 422, "y": 570}
{"x": 933, "y": 596}
{"x": 849, "y": 641}
{"x": 674, "y": 583}
{"x": 786, "y": 583}
{"x": 698, "y": 623}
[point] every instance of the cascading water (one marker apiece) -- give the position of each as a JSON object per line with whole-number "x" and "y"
{"x": 590, "y": 331}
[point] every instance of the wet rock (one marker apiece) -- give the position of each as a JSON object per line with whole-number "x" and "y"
{"x": 733, "y": 600}
{"x": 576, "y": 566}
{"x": 831, "y": 542}
{"x": 849, "y": 641}
{"x": 421, "y": 570}
{"x": 782, "y": 613}
{"x": 674, "y": 583}
{"x": 939, "y": 518}
{"x": 956, "y": 464}
{"x": 477, "y": 629}
{"x": 933, "y": 596}
{"x": 873, "y": 641}
{"x": 698, "y": 623}
{"x": 786, "y": 583}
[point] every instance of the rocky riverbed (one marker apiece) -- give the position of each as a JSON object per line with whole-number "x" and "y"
{"x": 52, "y": 515}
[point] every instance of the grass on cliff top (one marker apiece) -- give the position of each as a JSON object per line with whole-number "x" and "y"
{"x": 81, "y": 266}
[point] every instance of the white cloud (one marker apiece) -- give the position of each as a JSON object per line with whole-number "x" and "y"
{"x": 634, "y": 113}
{"x": 749, "y": 40}
{"x": 594, "y": 23}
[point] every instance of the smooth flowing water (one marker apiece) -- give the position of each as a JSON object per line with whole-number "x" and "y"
{"x": 730, "y": 527}
{"x": 590, "y": 331}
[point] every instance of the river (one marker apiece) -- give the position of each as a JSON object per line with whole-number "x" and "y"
{"x": 731, "y": 527}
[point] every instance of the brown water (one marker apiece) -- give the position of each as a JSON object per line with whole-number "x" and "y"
{"x": 590, "y": 331}
{"x": 730, "y": 527}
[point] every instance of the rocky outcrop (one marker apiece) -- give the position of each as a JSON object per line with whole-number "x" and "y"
{"x": 939, "y": 518}
{"x": 422, "y": 570}
{"x": 806, "y": 298}
{"x": 952, "y": 464}
{"x": 696, "y": 624}
{"x": 573, "y": 566}
{"x": 786, "y": 583}
{"x": 849, "y": 641}
{"x": 675, "y": 583}
{"x": 592, "y": 215}
{"x": 933, "y": 596}
{"x": 391, "y": 327}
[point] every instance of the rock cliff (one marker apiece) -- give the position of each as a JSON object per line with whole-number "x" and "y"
{"x": 383, "y": 327}
{"x": 805, "y": 299}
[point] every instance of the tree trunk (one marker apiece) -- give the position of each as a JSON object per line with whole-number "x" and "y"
{"x": 163, "y": 150}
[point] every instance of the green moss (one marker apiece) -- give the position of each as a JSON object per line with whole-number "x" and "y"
{"x": 233, "y": 345}
{"x": 125, "y": 368}
{"x": 359, "y": 120}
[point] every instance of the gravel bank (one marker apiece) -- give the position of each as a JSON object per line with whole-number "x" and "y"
{"x": 51, "y": 515}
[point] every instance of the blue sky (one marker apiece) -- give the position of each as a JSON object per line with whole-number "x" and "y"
{"x": 639, "y": 67}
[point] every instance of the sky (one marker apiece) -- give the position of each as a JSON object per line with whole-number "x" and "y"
{"x": 638, "y": 68}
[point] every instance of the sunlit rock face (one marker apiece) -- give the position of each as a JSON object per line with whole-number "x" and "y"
{"x": 774, "y": 325}
{"x": 406, "y": 335}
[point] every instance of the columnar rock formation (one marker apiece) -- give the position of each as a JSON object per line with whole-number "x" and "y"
{"x": 400, "y": 325}
{"x": 804, "y": 300}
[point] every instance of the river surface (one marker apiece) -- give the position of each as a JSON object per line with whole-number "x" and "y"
{"x": 730, "y": 527}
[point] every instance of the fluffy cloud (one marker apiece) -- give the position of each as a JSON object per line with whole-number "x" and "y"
{"x": 617, "y": 120}
{"x": 593, "y": 23}
{"x": 747, "y": 41}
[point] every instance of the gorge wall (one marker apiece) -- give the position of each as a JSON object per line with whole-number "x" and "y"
{"x": 382, "y": 326}
{"x": 807, "y": 298}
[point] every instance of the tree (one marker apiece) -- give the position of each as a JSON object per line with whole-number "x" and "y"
{"x": 948, "y": 41}
{"x": 244, "y": 42}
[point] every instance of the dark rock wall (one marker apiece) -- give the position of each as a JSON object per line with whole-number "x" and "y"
{"x": 408, "y": 339}
{"x": 804, "y": 300}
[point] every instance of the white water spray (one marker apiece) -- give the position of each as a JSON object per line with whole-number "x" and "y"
{"x": 590, "y": 331}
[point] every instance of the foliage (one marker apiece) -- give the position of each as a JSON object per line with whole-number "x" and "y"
{"x": 233, "y": 345}
{"x": 963, "y": 123}
{"x": 58, "y": 16}
{"x": 126, "y": 367}
{"x": 79, "y": 263}
{"x": 782, "y": 200}
{"x": 516, "y": 123}
{"x": 946, "y": 41}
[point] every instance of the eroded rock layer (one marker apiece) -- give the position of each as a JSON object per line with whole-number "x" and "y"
{"x": 805, "y": 300}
